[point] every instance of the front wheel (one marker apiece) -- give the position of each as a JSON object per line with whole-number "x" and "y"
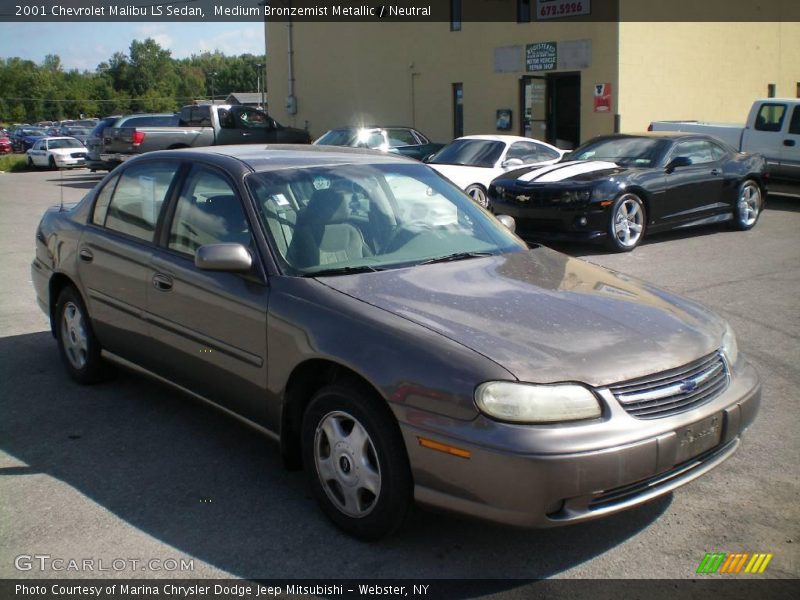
{"x": 478, "y": 193}
{"x": 77, "y": 344}
{"x": 748, "y": 206}
{"x": 30, "y": 162}
{"x": 626, "y": 223}
{"x": 52, "y": 163}
{"x": 356, "y": 462}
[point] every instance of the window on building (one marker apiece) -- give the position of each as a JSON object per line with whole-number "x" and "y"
{"x": 455, "y": 15}
{"x": 523, "y": 11}
{"x": 770, "y": 90}
{"x": 458, "y": 110}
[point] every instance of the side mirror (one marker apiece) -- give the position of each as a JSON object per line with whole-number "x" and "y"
{"x": 511, "y": 163}
{"x": 678, "y": 161}
{"x": 508, "y": 221}
{"x": 223, "y": 257}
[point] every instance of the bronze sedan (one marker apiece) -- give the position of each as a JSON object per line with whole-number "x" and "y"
{"x": 397, "y": 340}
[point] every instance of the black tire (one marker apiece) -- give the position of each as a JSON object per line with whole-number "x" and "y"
{"x": 77, "y": 344}
{"x": 52, "y": 164}
{"x": 352, "y": 435}
{"x": 478, "y": 194}
{"x": 30, "y": 162}
{"x": 748, "y": 207}
{"x": 627, "y": 221}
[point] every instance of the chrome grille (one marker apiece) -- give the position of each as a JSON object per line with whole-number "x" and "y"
{"x": 674, "y": 391}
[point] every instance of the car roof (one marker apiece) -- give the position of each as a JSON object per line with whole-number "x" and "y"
{"x": 274, "y": 157}
{"x": 499, "y": 138}
{"x": 656, "y": 134}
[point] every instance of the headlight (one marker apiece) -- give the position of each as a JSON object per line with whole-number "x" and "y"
{"x": 529, "y": 403}
{"x": 576, "y": 196}
{"x": 729, "y": 347}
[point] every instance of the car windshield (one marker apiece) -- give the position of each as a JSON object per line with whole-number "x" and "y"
{"x": 625, "y": 151}
{"x": 70, "y": 143}
{"x": 338, "y": 137}
{"x": 347, "y": 218}
{"x": 474, "y": 153}
{"x": 76, "y": 131}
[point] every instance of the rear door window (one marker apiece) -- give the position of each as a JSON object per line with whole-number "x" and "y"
{"x": 138, "y": 197}
{"x": 770, "y": 117}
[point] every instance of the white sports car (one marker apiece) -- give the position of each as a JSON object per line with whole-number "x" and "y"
{"x": 57, "y": 153}
{"x": 472, "y": 161}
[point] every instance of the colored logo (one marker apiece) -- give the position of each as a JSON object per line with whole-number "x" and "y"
{"x": 734, "y": 562}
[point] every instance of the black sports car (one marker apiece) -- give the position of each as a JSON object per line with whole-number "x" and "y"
{"x": 617, "y": 187}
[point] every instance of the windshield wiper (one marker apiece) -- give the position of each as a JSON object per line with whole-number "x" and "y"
{"x": 342, "y": 271}
{"x": 455, "y": 256}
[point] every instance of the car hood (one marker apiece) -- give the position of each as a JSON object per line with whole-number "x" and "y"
{"x": 574, "y": 171}
{"x": 544, "y": 316}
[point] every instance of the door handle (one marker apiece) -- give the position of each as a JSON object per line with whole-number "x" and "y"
{"x": 86, "y": 255}
{"x": 246, "y": 134}
{"x": 162, "y": 283}
{"x": 715, "y": 171}
{"x": 788, "y": 142}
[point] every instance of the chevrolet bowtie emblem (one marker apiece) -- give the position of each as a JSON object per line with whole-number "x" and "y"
{"x": 522, "y": 198}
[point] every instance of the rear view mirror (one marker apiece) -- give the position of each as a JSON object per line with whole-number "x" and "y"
{"x": 678, "y": 161}
{"x": 508, "y": 221}
{"x": 511, "y": 163}
{"x": 223, "y": 257}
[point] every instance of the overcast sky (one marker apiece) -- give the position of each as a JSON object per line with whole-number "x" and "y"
{"x": 85, "y": 45}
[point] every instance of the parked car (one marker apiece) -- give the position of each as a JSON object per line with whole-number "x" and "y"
{"x": 5, "y": 145}
{"x": 79, "y": 133}
{"x": 772, "y": 129}
{"x": 393, "y": 358}
{"x": 197, "y": 126}
{"x": 398, "y": 140}
{"x": 96, "y": 139}
{"x": 57, "y": 153}
{"x": 618, "y": 187}
{"x": 471, "y": 162}
{"x": 23, "y": 138}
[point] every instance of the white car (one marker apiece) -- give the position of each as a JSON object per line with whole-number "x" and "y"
{"x": 57, "y": 153}
{"x": 472, "y": 161}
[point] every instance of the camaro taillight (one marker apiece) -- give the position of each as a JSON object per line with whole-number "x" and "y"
{"x": 138, "y": 137}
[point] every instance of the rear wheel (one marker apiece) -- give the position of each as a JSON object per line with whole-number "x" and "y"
{"x": 626, "y": 223}
{"x": 355, "y": 461}
{"x": 478, "y": 193}
{"x": 748, "y": 206}
{"x": 77, "y": 344}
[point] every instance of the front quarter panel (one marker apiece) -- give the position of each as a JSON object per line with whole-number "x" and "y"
{"x": 426, "y": 378}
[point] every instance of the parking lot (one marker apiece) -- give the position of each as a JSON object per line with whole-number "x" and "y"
{"x": 132, "y": 470}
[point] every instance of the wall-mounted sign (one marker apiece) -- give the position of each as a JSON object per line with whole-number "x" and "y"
{"x": 602, "y": 97}
{"x": 541, "y": 57}
{"x": 557, "y": 9}
{"x": 504, "y": 119}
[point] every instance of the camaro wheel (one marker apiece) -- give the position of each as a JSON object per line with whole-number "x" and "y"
{"x": 748, "y": 206}
{"x": 355, "y": 461}
{"x": 478, "y": 194}
{"x": 626, "y": 223}
{"x": 76, "y": 341}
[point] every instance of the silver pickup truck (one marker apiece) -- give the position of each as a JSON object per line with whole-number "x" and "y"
{"x": 200, "y": 125}
{"x": 772, "y": 129}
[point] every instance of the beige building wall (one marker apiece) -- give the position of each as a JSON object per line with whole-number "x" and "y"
{"x": 704, "y": 71}
{"x": 361, "y": 73}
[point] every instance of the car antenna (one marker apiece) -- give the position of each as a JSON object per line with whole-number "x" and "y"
{"x": 61, "y": 185}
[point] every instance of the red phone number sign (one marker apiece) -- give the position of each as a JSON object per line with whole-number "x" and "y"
{"x": 554, "y": 9}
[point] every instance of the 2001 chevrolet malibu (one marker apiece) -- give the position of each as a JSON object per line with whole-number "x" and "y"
{"x": 400, "y": 342}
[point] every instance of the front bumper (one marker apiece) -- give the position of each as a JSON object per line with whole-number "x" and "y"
{"x": 515, "y": 486}
{"x": 65, "y": 162}
{"x": 544, "y": 221}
